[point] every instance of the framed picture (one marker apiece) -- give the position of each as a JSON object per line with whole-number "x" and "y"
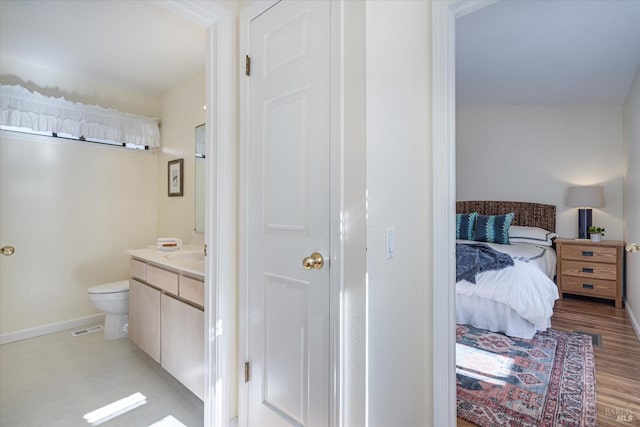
{"x": 175, "y": 177}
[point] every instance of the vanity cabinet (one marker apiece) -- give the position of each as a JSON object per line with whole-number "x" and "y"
{"x": 166, "y": 320}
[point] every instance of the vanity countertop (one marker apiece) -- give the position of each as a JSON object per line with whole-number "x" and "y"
{"x": 189, "y": 258}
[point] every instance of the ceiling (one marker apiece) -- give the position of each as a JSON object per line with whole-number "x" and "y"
{"x": 132, "y": 44}
{"x": 568, "y": 52}
{"x": 540, "y": 52}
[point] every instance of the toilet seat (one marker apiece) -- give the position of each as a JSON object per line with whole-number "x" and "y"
{"x": 110, "y": 288}
{"x": 113, "y": 300}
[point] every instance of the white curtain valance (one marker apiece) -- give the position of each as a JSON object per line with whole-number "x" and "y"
{"x": 21, "y": 108}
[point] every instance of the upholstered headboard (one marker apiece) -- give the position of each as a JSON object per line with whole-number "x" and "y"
{"x": 526, "y": 213}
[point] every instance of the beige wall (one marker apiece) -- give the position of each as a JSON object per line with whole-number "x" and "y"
{"x": 69, "y": 208}
{"x": 398, "y": 181}
{"x": 73, "y": 88}
{"x": 72, "y": 209}
{"x": 534, "y": 153}
{"x": 181, "y": 110}
{"x": 631, "y": 168}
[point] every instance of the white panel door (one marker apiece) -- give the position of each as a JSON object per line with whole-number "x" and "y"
{"x": 288, "y": 218}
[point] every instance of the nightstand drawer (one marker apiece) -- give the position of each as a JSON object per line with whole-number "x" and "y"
{"x": 595, "y": 287}
{"x": 590, "y": 270}
{"x": 590, "y": 253}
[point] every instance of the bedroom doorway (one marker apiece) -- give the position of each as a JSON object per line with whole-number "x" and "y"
{"x": 444, "y": 15}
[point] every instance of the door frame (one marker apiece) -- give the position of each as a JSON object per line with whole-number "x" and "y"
{"x": 336, "y": 219}
{"x": 444, "y": 15}
{"x": 220, "y": 206}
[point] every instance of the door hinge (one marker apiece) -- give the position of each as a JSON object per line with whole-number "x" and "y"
{"x": 247, "y": 371}
{"x": 247, "y": 65}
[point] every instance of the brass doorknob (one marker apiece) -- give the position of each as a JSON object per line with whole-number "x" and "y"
{"x": 7, "y": 250}
{"x": 313, "y": 262}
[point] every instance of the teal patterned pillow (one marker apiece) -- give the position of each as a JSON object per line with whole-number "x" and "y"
{"x": 493, "y": 228}
{"x": 465, "y": 225}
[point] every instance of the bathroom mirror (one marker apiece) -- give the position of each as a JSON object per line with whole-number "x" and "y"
{"x": 200, "y": 178}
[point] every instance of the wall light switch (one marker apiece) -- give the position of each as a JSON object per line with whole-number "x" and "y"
{"x": 390, "y": 243}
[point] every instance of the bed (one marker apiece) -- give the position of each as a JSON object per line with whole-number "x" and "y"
{"x": 517, "y": 300}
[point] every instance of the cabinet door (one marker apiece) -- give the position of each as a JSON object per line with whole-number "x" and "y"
{"x": 144, "y": 318}
{"x": 183, "y": 343}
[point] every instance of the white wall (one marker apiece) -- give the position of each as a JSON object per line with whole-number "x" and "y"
{"x": 181, "y": 111}
{"x": 631, "y": 170}
{"x": 352, "y": 175}
{"x": 398, "y": 180}
{"x": 534, "y": 153}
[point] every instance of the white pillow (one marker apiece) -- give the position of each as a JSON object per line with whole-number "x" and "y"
{"x": 534, "y": 235}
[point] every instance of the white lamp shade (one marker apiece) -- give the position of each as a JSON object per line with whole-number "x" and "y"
{"x": 586, "y": 196}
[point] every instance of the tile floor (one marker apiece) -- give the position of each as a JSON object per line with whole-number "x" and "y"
{"x": 55, "y": 379}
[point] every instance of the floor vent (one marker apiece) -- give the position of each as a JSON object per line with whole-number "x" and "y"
{"x": 596, "y": 339}
{"x": 87, "y": 330}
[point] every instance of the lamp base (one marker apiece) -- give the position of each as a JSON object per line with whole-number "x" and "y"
{"x": 584, "y": 222}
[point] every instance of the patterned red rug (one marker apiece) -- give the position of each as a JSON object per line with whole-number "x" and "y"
{"x": 546, "y": 381}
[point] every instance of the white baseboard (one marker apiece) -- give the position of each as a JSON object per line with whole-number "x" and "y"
{"x": 634, "y": 320}
{"x": 51, "y": 328}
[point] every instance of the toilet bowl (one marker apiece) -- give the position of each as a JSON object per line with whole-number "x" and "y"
{"x": 113, "y": 299}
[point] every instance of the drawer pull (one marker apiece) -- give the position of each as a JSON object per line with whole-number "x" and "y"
{"x": 587, "y": 253}
{"x": 587, "y": 286}
{"x": 587, "y": 270}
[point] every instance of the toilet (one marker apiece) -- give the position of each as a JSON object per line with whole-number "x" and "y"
{"x": 113, "y": 299}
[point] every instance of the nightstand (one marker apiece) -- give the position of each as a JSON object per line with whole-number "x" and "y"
{"x": 591, "y": 269}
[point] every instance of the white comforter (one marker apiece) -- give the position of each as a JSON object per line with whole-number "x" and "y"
{"x": 526, "y": 287}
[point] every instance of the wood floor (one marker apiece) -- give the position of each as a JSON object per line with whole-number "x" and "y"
{"x": 617, "y": 360}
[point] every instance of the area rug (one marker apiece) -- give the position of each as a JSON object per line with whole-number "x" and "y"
{"x": 546, "y": 381}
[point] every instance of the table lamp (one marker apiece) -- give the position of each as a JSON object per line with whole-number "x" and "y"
{"x": 585, "y": 197}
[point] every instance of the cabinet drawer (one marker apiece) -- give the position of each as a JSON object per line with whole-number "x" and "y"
{"x": 192, "y": 290}
{"x": 585, "y": 286}
{"x": 590, "y": 253}
{"x": 163, "y": 279}
{"x": 590, "y": 270}
{"x": 138, "y": 269}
